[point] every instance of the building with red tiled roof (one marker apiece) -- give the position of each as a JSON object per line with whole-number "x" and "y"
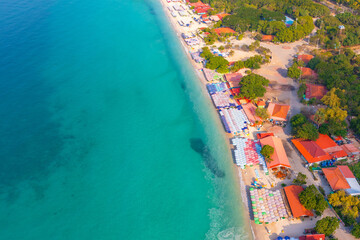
{"x": 350, "y": 149}
{"x": 314, "y": 91}
{"x": 345, "y": 170}
{"x": 249, "y": 110}
{"x": 223, "y": 30}
{"x": 279, "y": 157}
{"x": 267, "y": 38}
{"x": 305, "y": 58}
{"x": 235, "y": 91}
{"x": 313, "y": 237}
{"x": 292, "y": 195}
{"x": 342, "y": 172}
{"x": 335, "y": 178}
{"x": 222, "y": 15}
{"x": 278, "y": 112}
{"x": 233, "y": 79}
{"x": 261, "y": 104}
{"x": 323, "y": 149}
{"x": 308, "y": 73}
{"x": 263, "y": 135}
{"x": 310, "y": 151}
{"x": 329, "y": 146}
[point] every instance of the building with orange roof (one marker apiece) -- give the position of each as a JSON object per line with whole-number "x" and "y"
{"x": 292, "y": 195}
{"x": 249, "y": 110}
{"x": 310, "y": 151}
{"x": 314, "y": 91}
{"x": 261, "y": 104}
{"x": 233, "y": 79}
{"x": 308, "y": 73}
{"x": 223, "y": 30}
{"x": 335, "y": 178}
{"x": 323, "y": 149}
{"x": 341, "y": 178}
{"x": 278, "y": 112}
{"x": 263, "y": 135}
{"x": 305, "y": 58}
{"x": 222, "y": 15}
{"x": 350, "y": 149}
{"x": 313, "y": 237}
{"x": 330, "y": 146}
{"x": 279, "y": 157}
{"x": 267, "y": 38}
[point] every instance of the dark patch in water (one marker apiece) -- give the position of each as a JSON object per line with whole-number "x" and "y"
{"x": 183, "y": 86}
{"x": 210, "y": 162}
{"x": 150, "y": 7}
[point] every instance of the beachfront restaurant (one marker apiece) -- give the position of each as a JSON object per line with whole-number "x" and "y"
{"x": 292, "y": 196}
{"x": 280, "y": 163}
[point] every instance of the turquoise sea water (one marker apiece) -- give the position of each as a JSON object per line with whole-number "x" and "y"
{"x": 105, "y": 131}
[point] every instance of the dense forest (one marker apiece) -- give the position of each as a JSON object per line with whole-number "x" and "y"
{"x": 335, "y": 31}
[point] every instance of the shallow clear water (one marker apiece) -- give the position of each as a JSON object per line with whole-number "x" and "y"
{"x": 106, "y": 132}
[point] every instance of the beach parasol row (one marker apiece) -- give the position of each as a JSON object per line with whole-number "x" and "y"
{"x": 247, "y": 152}
{"x": 267, "y": 206}
{"x": 223, "y": 100}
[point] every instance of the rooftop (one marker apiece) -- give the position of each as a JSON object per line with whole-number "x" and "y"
{"x": 305, "y": 58}
{"x": 279, "y": 158}
{"x": 223, "y": 30}
{"x": 222, "y": 15}
{"x": 267, "y": 38}
{"x": 315, "y": 91}
{"x": 335, "y": 178}
{"x": 310, "y": 151}
{"x": 292, "y": 194}
{"x": 233, "y": 79}
{"x": 330, "y": 146}
{"x": 307, "y": 72}
{"x": 278, "y": 112}
{"x": 263, "y": 135}
{"x": 313, "y": 237}
{"x": 261, "y": 103}
{"x": 249, "y": 110}
{"x": 324, "y": 141}
{"x": 350, "y": 149}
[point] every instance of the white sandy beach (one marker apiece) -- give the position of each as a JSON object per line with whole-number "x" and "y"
{"x": 282, "y": 56}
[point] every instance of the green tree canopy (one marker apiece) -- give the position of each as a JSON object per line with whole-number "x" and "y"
{"x": 262, "y": 113}
{"x": 307, "y": 131}
{"x": 267, "y": 151}
{"x": 356, "y": 230}
{"x": 252, "y": 86}
{"x": 300, "y": 179}
{"x": 327, "y": 225}
{"x": 331, "y": 98}
{"x": 294, "y": 71}
{"x": 311, "y": 198}
{"x": 298, "y": 120}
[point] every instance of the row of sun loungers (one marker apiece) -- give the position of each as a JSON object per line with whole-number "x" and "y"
{"x": 223, "y": 99}
{"x": 192, "y": 41}
{"x": 216, "y": 87}
{"x": 234, "y": 120}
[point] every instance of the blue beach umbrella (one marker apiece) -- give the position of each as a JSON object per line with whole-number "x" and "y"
{"x": 279, "y": 238}
{"x": 287, "y": 238}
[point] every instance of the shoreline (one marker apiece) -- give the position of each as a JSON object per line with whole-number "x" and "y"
{"x": 237, "y": 172}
